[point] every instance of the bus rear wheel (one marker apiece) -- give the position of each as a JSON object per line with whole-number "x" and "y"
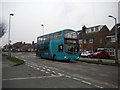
{"x": 54, "y": 57}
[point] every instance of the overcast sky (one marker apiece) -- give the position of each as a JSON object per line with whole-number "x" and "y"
{"x": 55, "y": 15}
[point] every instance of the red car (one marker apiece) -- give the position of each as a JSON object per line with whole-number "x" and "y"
{"x": 100, "y": 54}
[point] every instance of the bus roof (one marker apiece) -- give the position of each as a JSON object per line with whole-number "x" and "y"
{"x": 58, "y": 31}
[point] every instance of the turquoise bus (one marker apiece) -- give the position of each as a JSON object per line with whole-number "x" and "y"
{"x": 61, "y": 45}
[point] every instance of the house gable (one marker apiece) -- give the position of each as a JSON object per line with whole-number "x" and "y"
{"x": 94, "y": 40}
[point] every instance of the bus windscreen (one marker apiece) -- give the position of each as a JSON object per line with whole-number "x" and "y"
{"x": 71, "y": 49}
{"x": 70, "y": 34}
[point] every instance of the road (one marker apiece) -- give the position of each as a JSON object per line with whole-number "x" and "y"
{"x": 44, "y": 73}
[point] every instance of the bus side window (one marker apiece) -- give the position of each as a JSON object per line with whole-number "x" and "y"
{"x": 43, "y": 48}
{"x": 60, "y": 48}
{"x": 51, "y": 36}
{"x": 57, "y": 35}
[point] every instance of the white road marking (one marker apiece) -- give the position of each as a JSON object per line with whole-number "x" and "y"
{"x": 48, "y": 69}
{"x": 68, "y": 76}
{"x": 31, "y": 66}
{"x": 53, "y": 74}
{"x": 44, "y": 66}
{"x": 76, "y": 79}
{"x": 31, "y": 77}
{"x": 86, "y": 82}
{"x": 59, "y": 74}
{"x": 35, "y": 65}
{"x": 42, "y": 70}
{"x": 47, "y": 72}
{"x": 53, "y": 71}
{"x": 98, "y": 86}
{"x": 38, "y": 68}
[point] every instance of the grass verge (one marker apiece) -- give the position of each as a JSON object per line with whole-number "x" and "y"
{"x": 100, "y": 62}
{"x": 14, "y": 59}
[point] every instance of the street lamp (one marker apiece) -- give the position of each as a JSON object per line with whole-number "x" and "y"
{"x": 42, "y": 28}
{"x": 9, "y": 49}
{"x": 116, "y": 40}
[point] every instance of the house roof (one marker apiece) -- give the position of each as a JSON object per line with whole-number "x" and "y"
{"x": 84, "y": 35}
{"x": 112, "y": 32}
{"x": 17, "y": 43}
{"x": 27, "y": 46}
{"x": 87, "y": 35}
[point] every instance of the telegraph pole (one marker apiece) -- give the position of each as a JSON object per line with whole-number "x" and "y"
{"x": 42, "y": 28}
{"x": 116, "y": 40}
{"x": 9, "y": 48}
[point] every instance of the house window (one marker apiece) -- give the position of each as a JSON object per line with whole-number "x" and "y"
{"x": 80, "y": 41}
{"x": 92, "y": 29}
{"x": 96, "y": 29}
{"x": 88, "y": 30}
{"x": 111, "y": 51}
{"x": 100, "y": 41}
{"x": 113, "y": 39}
{"x": 84, "y": 41}
{"x": 91, "y": 41}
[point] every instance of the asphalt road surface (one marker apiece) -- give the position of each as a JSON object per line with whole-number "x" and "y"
{"x": 44, "y": 73}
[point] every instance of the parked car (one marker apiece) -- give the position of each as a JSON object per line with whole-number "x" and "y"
{"x": 100, "y": 54}
{"x": 86, "y": 53}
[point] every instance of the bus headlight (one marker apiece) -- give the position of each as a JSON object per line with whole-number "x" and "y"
{"x": 78, "y": 57}
{"x": 65, "y": 57}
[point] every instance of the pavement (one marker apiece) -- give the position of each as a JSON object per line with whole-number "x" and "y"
{"x": 96, "y": 59}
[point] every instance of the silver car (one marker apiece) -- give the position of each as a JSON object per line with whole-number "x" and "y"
{"x": 86, "y": 53}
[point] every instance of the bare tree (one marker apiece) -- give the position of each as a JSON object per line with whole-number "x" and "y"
{"x": 2, "y": 29}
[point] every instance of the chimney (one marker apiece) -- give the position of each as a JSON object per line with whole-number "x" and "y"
{"x": 24, "y": 43}
{"x": 84, "y": 28}
{"x": 33, "y": 43}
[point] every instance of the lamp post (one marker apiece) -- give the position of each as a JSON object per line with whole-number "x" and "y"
{"x": 116, "y": 40}
{"x": 9, "y": 48}
{"x": 42, "y": 28}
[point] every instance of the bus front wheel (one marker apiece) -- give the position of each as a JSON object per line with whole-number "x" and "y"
{"x": 54, "y": 57}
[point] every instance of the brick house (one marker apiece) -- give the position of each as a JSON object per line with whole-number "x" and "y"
{"x": 17, "y": 46}
{"x": 22, "y": 47}
{"x": 111, "y": 43}
{"x": 28, "y": 47}
{"x": 93, "y": 38}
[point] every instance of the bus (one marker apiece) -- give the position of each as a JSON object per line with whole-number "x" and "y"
{"x": 61, "y": 45}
